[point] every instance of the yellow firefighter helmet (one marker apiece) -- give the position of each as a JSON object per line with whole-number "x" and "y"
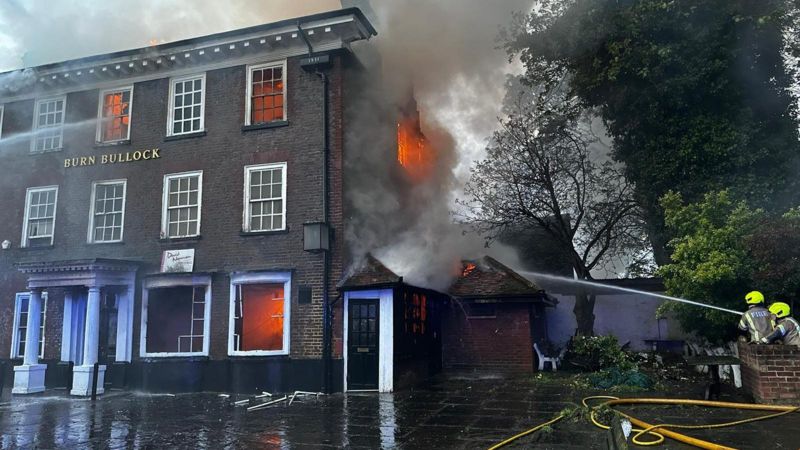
{"x": 754, "y": 298}
{"x": 780, "y": 309}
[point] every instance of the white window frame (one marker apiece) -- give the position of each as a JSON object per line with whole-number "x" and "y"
{"x": 2, "y": 112}
{"x": 28, "y": 193}
{"x": 175, "y": 281}
{"x": 90, "y": 234}
{"x": 171, "y": 111}
{"x": 103, "y": 93}
{"x": 165, "y": 203}
{"x": 15, "y": 336}
{"x": 238, "y": 279}
{"x": 248, "y": 102}
{"x": 60, "y": 127}
{"x": 246, "y": 211}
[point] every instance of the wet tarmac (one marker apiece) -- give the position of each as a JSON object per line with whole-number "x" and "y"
{"x": 446, "y": 413}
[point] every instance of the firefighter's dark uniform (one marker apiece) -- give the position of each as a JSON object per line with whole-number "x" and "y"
{"x": 788, "y": 329}
{"x": 757, "y": 321}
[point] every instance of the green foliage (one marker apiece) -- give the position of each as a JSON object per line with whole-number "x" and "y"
{"x": 694, "y": 94}
{"x": 774, "y": 248}
{"x": 599, "y": 352}
{"x": 710, "y": 262}
{"x": 723, "y": 249}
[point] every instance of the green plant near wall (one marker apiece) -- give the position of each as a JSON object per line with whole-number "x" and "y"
{"x": 599, "y": 352}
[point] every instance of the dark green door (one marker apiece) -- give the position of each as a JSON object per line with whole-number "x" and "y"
{"x": 362, "y": 344}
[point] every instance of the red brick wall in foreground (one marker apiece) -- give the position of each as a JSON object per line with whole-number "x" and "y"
{"x": 771, "y": 373}
{"x": 500, "y": 344}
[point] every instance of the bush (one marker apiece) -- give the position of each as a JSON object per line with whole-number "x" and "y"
{"x": 599, "y": 352}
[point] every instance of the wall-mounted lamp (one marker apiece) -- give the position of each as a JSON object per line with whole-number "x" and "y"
{"x": 6, "y": 244}
{"x": 316, "y": 237}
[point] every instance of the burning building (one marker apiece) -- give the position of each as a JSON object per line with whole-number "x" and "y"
{"x": 174, "y": 214}
{"x": 190, "y": 216}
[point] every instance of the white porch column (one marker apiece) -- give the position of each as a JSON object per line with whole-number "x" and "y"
{"x": 92, "y": 338}
{"x": 83, "y": 374}
{"x": 66, "y": 328}
{"x": 124, "y": 334}
{"x": 29, "y": 377}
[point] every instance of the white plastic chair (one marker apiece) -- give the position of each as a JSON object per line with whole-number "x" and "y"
{"x": 554, "y": 361}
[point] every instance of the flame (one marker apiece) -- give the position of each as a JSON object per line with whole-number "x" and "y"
{"x": 468, "y": 269}
{"x": 413, "y": 150}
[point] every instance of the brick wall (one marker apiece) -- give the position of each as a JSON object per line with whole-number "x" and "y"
{"x": 501, "y": 344}
{"x": 771, "y": 373}
{"x": 221, "y": 154}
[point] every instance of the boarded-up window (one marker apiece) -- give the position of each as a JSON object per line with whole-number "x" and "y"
{"x": 176, "y": 319}
{"x": 480, "y": 310}
{"x": 258, "y": 317}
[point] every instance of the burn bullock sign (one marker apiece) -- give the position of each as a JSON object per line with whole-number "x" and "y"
{"x": 113, "y": 158}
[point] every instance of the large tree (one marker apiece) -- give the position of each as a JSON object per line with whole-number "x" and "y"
{"x": 694, "y": 94}
{"x": 541, "y": 173}
{"x": 723, "y": 249}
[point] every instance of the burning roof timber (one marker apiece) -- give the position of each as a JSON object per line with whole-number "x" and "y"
{"x": 321, "y": 32}
{"x": 485, "y": 278}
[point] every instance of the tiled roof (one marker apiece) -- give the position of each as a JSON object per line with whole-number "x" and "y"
{"x": 487, "y": 277}
{"x": 370, "y": 272}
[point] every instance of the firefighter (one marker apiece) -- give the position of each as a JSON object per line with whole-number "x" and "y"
{"x": 787, "y": 328}
{"x": 757, "y": 320}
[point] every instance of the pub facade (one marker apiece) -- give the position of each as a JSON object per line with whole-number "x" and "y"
{"x": 172, "y": 217}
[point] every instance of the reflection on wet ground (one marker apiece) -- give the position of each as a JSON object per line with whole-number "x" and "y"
{"x": 445, "y": 414}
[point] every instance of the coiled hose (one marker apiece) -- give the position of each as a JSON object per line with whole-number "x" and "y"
{"x": 658, "y": 437}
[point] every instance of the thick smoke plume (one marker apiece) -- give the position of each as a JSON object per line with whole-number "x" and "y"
{"x": 444, "y": 53}
{"x": 445, "y": 50}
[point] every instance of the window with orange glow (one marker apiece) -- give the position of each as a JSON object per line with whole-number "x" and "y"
{"x": 115, "y": 110}
{"x": 416, "y": 313}
{"x": 258, "y": 317}
{"x": 266, "y": 94}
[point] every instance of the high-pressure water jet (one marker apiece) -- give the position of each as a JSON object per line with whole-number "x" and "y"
{"x": 624, "y": 289}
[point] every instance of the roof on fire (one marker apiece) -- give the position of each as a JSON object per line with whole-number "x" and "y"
{"x": 487, "y": 278}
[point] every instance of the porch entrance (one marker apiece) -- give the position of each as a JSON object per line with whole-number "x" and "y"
{"x": 362, "y": 344}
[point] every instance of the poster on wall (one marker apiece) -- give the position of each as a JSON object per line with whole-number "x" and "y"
{"x": 177, "y": 261}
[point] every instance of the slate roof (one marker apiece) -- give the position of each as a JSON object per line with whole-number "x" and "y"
{"x": 370, "y": 272}
{"x": 488, "y": 278}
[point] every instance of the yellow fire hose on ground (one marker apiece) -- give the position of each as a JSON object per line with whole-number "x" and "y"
{"x": 664, "y": 430}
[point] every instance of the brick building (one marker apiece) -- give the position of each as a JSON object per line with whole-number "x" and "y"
{"x": 496, "y": 317}
{"x": 175, "y": 213}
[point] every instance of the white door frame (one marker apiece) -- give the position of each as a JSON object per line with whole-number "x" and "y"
{"x": 385, "y": 299}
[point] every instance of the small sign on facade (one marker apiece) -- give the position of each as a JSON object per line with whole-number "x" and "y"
{"x": 177, "y": 260}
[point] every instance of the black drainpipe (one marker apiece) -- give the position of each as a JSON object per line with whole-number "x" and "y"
{"x": 327, "y": 313}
